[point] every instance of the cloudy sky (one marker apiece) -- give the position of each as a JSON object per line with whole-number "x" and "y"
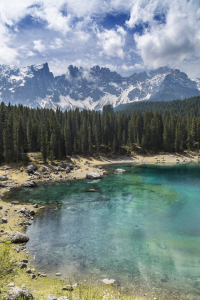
{"x": 125, "y": 35}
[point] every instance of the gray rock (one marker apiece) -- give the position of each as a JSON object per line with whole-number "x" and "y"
{"x": 11, "y": 284}
{"x": 58, "y": 274}
{"x": 1, "y": 207}
{"x": 71, "y": 166}
{"x": 14, "y": 202}
{"x": 22, "y": 265}
{"x": 4, "y": 220}
{"x": 67, "y": 170}
{"x": 35, "y": 205}
{"x": 119, "y": 171}
{"x": 42, "y": 169}
{"x": 29, "y": 184}
{"x": 28, "y": 271}
{"x": 32, "y": 212}
{"x": 16, "y": 293}
{"x": 67, "y": 288}
{"x": 31, "y": 169}
{"x": 93, "y": 175}
{"x": 162, "y": 246}
{"x": 3, "y": 177}
{"x": 105, "y": 173}
{"x": 33, "y": 276}
{"x": 24, "y": 260}
{"x": 19, "y": 237}
{"x": 51, "y": 297}
{"x": 91, "y": 190}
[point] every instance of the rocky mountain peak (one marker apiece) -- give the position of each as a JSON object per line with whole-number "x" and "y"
{"x": 91, "y": 88}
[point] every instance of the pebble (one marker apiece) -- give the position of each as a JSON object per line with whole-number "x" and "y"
{"x": 58, "y": 274}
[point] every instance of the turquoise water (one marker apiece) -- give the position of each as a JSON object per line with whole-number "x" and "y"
{"x": 141, "y": 228}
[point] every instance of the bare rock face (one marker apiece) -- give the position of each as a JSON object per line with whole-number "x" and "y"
{"x": 93, "y": 175}
{"x": 15, "y": 293}
{"x": 29, "y": 184}
{"x": 19, "y": 237}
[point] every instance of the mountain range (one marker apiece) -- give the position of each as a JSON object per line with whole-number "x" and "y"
{"x": 36, "y": 86}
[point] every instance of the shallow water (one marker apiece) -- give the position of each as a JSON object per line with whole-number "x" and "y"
{"x": 141, "y": 228}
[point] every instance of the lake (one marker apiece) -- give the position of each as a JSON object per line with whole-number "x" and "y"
{"x": 141, "y": 228}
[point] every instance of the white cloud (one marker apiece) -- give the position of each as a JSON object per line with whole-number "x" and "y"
{"x": 39, "y": 46}
{"x": 172, "y": 42}
{"x": 58, "y": 43}
{"x": 112, "y": 41}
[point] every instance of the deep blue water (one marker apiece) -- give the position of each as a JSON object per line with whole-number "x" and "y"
{"x": 141, "y": 228}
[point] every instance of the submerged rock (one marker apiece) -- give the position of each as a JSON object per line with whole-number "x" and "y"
{"x": 93, "y": 175}
{"x": 162, "y": 246}
{"x": 16, "y": 293}
{"x": 119, "y": 171}
{"x": 91, "y": 190}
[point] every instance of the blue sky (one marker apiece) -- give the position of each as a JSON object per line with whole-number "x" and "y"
{"x": 124, "y": 35}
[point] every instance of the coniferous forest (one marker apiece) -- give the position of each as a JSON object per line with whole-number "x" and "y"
{"x": 59, "y": 134}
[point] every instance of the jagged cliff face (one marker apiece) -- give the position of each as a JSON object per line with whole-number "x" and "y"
{"x": 92, "y": 89}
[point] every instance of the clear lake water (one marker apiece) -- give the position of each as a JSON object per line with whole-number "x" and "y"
{"x": 141, "y": 228}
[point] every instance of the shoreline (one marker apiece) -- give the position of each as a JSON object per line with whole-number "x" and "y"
{"x": 11, "y": 211}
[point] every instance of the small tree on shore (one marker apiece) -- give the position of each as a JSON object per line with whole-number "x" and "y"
{"x": 6, "y": 264}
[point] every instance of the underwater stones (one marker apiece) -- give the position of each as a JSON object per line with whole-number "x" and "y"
{"x": 15, "y": 293}
{"x": 67, "y": 288}
{"x": 19, "y": 237}
{"x": 108, "y": 281}
{"x": 162, "y": 246}
{"x": 119, "y": 171}
{"x": 105, "y": 173}
{"x": 93, "y": 175}
{"x": 91, "y": 190}
{"x": 29, "y": 184}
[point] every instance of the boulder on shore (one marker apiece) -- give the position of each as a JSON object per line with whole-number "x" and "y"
{"x": 16, "y": 293}
{"x": 3, "y": 177}
{"x": 29, "y": 184}
{"x": 42, "y": 169}
{"x": 19, "y": 237}
{"x": 93, "y": 175}
{"x": 31, "y": 169}
{"x": 119, "y": 171}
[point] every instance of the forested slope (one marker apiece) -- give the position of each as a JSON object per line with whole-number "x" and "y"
{"x": 187, "y": 107}
{"x": 58, "y": 134}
